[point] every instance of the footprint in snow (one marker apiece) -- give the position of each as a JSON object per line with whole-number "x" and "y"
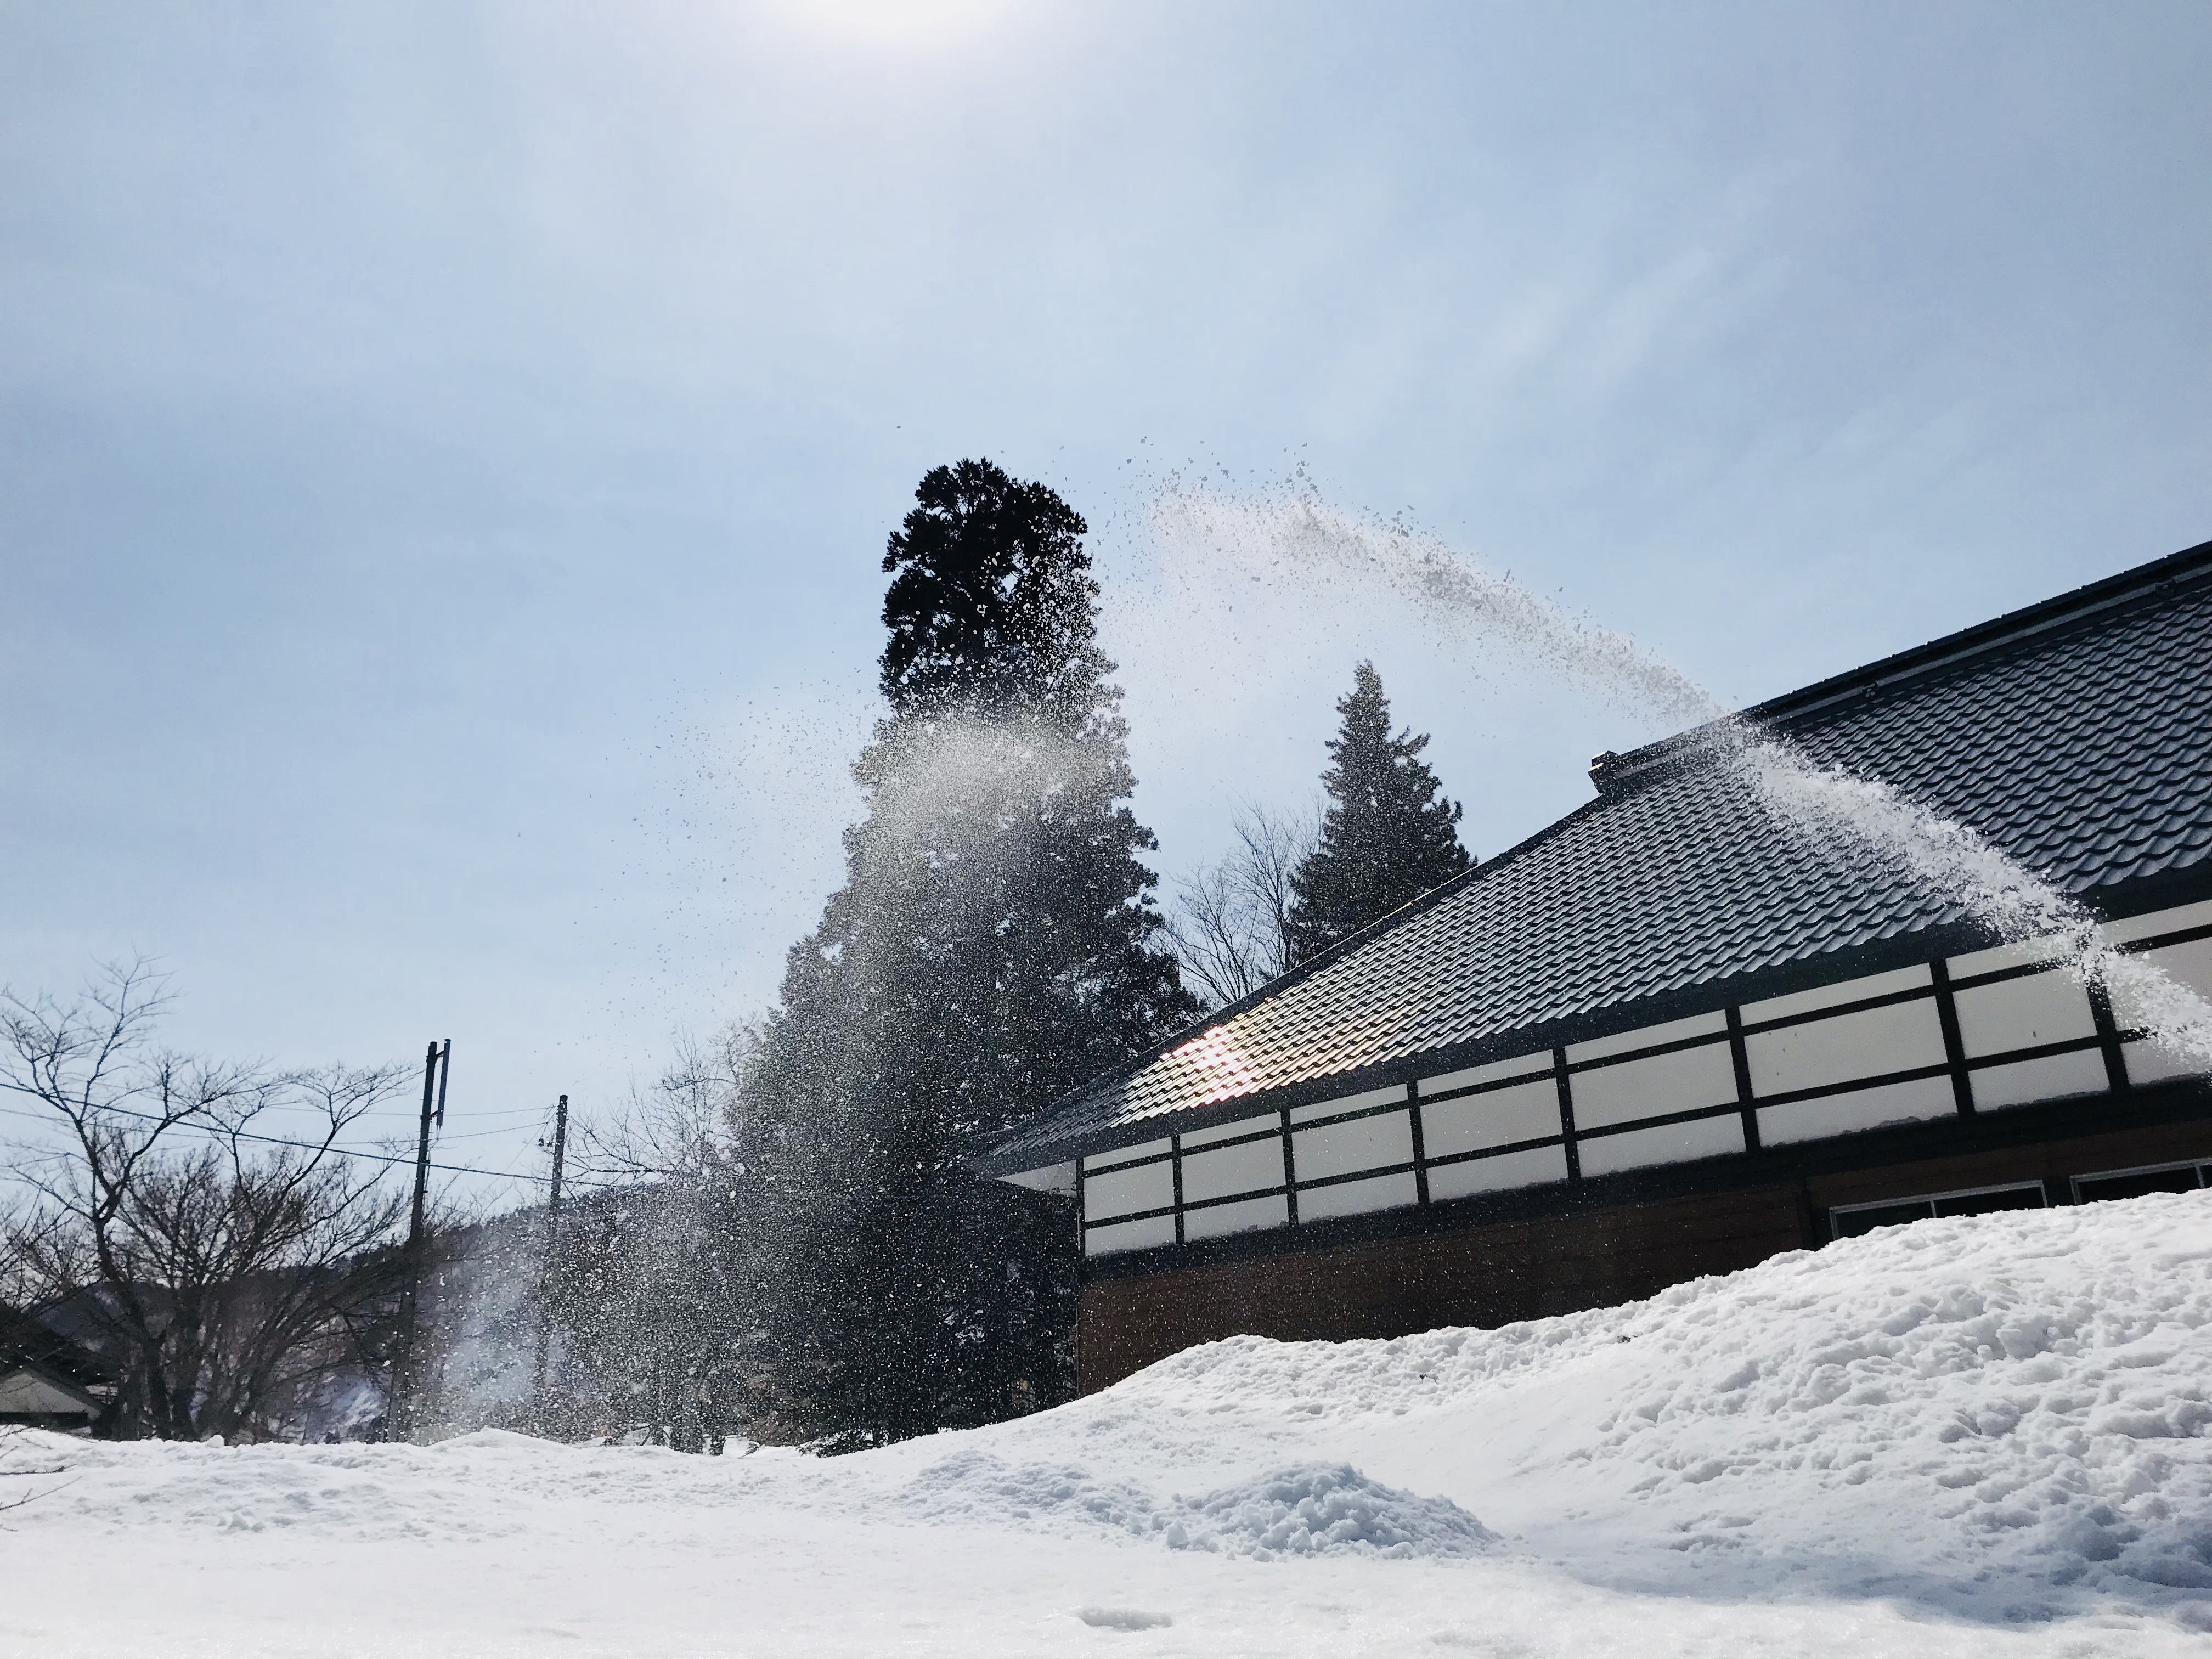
{"x": 1123, "y": 1619}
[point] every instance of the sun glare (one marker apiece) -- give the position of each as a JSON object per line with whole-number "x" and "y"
{"x": 901, "y": 23}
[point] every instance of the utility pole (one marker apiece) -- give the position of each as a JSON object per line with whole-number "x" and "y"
{"x": 400, "y": 1410}
{"x": 546, "y": 1281}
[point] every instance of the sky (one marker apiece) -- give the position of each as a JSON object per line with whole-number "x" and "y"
{"x": 447, "y": 450}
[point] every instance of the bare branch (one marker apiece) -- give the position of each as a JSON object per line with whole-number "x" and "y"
{"x": 197, "y": 1218}
{"x": 1231, "y": 921}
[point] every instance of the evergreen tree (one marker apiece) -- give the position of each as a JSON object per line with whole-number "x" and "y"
{"x": 1388, "y": 834}
{"x": 992, "y": 948}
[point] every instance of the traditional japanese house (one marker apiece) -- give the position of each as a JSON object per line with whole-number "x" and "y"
{"x": 49, "y": 1381}
{"x": 1668, "y": 1036}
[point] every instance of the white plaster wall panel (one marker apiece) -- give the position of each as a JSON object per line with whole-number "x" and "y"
{"x": 1999, "y": 957}
{"x": 1097, "y": 1161}
{"x": 2050, "y": 1078}
{"x": 1357, "y": 1197}
{"x": 2158, "y": 921}
{"x": 1366, "y": 1143}
{"x": 1125, "y": 1192}
{"x": 1899, "y": 1038}
{"x": 2189, "y": 964}
{"x": 2149, "y": 1063}
{"x": 1528, "y": 1111}
{"x": 2023, "y": 1013}
{"x": 1915, "y": 978}
{"x": 1243, "y": 1125}
{"x": 1055, "y": 1178}
{"x": 1251, "y": 1168}
{"x": 1635, "y": 1088}
{"x": 1537, "y": 1167}
{"x": 1862, "y": 1108}
{"x": 1253, "y": 1214}
{"x": 1129, "y": 1236}
{"x": 1538, "y": 1064}
{"x": 1649, "y": 1036}
{"x": 1672, "y": 1143}
{"x": 1320, "y": 1108}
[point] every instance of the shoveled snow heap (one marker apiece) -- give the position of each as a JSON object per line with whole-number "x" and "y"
{"x": 1948, "y": 1435}
{"x": 1307, "y": 1509}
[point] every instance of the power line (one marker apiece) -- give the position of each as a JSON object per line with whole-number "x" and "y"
{"x": 305, "y": 1146}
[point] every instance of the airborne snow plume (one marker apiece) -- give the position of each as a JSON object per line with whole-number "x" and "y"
{"x": 1294, "y": 531}
{"x": 1986, "y": 1435}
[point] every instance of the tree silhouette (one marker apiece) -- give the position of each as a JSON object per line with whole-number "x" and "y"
{"x": 1388, "y": 834}
{"x": 992, "y": 947}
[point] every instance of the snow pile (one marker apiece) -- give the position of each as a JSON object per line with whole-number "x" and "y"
{"x": 2028, "y": 1392}
{"x": 1325, "y": 1509}
{"x": 975, "y": 1485}
{"x": 1309, "y": 1509}
{"x": 1934, "y": 1435}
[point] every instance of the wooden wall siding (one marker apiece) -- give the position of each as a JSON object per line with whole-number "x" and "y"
{"x": 1527, "y": 1269}
{"x": 1482, "y": 1276}
{"x": 1981, "y": 1032}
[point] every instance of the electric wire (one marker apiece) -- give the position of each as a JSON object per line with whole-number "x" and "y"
{"x": 315, "y": 1146}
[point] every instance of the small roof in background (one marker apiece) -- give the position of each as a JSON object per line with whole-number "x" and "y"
{"x": 28, "y": 1344}
{"x": 2077, "y": 735}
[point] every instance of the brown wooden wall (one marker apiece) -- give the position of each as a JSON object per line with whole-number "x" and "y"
{"x": 1495, "y": 1273}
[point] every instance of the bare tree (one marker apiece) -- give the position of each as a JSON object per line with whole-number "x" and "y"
{"x": 682, "y": 1128}
{"x": 195, "y": 1219}
{"x": 1231, "y": 921}
{"x": 658, "y": 1270}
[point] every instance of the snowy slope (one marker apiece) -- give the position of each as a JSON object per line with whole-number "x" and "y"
{"x": 1967, "y": 1436}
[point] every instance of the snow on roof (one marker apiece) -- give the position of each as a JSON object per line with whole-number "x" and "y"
{"x": 2077, "y": 735}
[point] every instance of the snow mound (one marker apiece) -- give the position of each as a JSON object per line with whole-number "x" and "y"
{"x": 1309, "y": 1509}
{"x": 2030, "y": 1392}
{"x": 2003, "y": 1418}
{"x": 1325, "y": 1509}
{"x": 975, "y": 1485}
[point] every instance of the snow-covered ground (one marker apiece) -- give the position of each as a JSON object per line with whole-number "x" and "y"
{"x": 1977, "y": 1435}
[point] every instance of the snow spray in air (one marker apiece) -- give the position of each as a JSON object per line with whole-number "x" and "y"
{"x": 1843, "y": 814}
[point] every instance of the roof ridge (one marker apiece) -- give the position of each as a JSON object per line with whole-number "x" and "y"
{"x": 1612, "y": 771}
{"x": 1983, "y": 638}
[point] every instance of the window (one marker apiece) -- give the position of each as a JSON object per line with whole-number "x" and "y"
{"x": 1850, "y": 1220}
{"x": 2134, "y": 1183}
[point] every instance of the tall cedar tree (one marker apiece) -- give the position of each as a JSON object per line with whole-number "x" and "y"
{"x": 1389, "y": 835}
{"x": 992, "y": 948}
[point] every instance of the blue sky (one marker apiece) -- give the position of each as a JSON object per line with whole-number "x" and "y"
{"x": 448, "y": 449}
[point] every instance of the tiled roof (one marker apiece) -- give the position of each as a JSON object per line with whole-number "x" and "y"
{"x": 2077, "y": 735}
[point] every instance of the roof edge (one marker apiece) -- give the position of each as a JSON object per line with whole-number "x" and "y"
{"x": 2189, "y": 884}
{"x": 1613, "y": 773}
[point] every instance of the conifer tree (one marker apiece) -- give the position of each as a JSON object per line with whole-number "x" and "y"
{"x": 992, "y": 948}
{"x": 1388, "y": 834}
